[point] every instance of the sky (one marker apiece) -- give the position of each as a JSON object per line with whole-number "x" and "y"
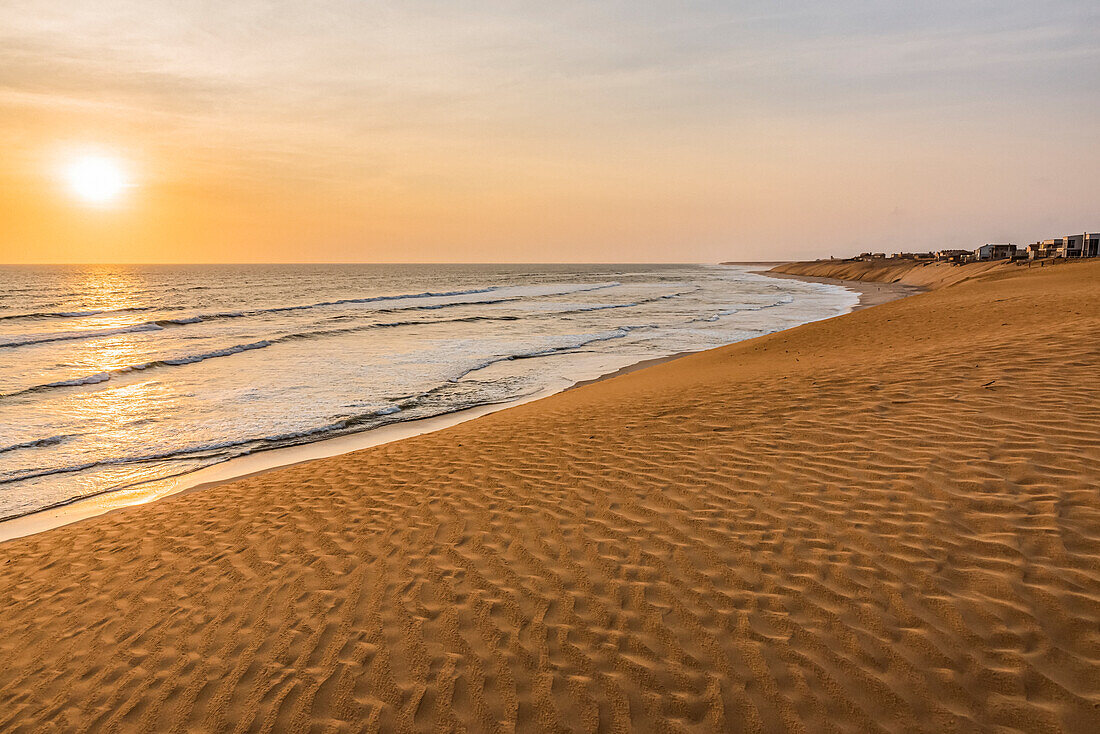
{"x": 596, "y": 131}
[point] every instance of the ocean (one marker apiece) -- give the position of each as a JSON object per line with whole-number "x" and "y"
{"x": 115, "y": 376}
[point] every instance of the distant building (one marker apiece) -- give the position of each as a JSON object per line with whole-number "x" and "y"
{"x": 953, "y": 256}
{"x": 1082, "y": 245}
{"x": 995, "y": 252}
{"x": 1074, "y": 245}
{"x": 1046, "y": 248}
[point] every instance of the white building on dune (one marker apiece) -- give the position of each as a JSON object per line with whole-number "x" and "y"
{"x": 1075, "y": 245}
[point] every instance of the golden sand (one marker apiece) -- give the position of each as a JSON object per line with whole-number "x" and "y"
{"x": 888, "y": 521}
{"x": 908, "y": 272}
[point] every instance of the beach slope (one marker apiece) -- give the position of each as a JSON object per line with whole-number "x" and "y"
{"x": 915, "y": 273}
{"x": 887, "y": 521}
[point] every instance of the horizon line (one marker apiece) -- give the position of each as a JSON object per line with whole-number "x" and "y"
{"x": 365, "y": 262}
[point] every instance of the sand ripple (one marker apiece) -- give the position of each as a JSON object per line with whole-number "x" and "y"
{"x": 884, "y": 522}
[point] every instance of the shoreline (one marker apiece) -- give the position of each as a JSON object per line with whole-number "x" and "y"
{"x": 871, "y": 293}
{"x": 262, "y": 462}
{"x": 241, "y": 467}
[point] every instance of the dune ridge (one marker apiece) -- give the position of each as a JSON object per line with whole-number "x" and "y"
{"x": 887, "y": 521}
{"x": 918, "y": 273}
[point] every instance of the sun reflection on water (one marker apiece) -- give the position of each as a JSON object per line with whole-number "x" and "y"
{"x": 119, "y": 352}
{"x": 117, "y": 413}
{"x": 109, "y": 288}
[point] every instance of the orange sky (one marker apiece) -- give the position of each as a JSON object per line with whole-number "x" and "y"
{"x": 534, "y": 132}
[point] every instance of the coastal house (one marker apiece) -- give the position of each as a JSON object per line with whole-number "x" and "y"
{"x": 995, "y": 252}
{"x": 1075, "y": 245}
{"x": 1046, "y": 248}
{"x": 952, "y": 255}
{"x": 1082, "y": 245}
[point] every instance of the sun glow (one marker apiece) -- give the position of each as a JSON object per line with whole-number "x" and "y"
{"x": 96, "y": 179}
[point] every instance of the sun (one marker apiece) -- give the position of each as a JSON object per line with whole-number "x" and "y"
{"x": 96, "y": 179}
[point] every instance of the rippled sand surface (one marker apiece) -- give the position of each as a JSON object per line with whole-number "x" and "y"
{"x": 887, "y": 521}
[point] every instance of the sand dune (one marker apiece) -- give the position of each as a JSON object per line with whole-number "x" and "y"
{"x": 922, "y": 274}
{"x": 886, "y": 522}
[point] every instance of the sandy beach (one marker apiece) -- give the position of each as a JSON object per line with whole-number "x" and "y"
{"x": 886, "y": 521}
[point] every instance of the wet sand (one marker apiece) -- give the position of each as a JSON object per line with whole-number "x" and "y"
{"x": 871, "y": 293}
{"x": 886, "y": 521}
